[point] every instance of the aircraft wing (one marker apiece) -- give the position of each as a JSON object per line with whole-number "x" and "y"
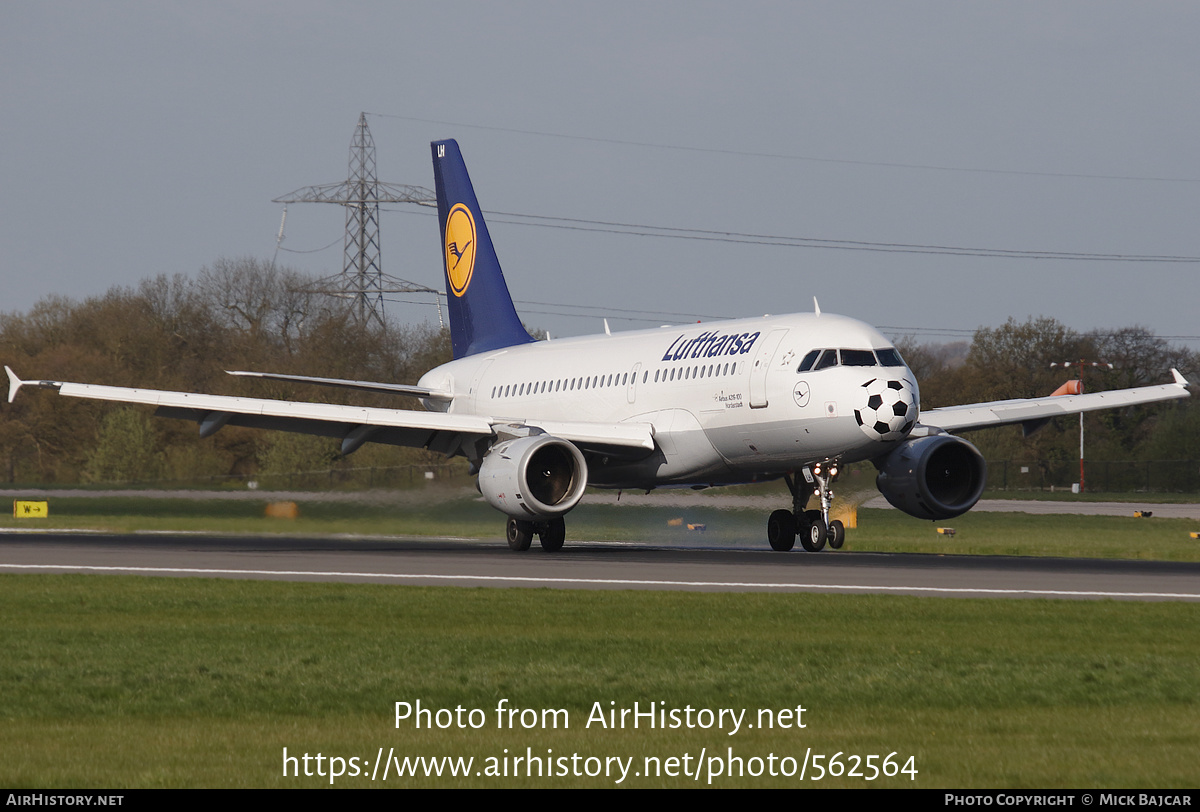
{"x": 353, "y": 425}
{"x": 1034, "y": 411}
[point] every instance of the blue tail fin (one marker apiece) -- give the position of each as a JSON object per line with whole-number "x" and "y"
{"x": 482, "y": 316}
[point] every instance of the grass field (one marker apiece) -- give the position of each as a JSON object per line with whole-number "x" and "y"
{"x": 111, "y": 681}
{"x": 125, "y": 681}
{"x": 1063, "y": 495}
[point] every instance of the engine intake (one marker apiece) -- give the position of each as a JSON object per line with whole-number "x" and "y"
{"x": 936, "y": 477}
{"x": 537, "y": 477}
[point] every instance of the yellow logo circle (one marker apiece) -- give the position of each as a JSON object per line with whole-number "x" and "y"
{"x": 460, "y": 248}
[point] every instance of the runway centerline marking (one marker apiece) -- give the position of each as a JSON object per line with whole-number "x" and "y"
{"x": 608, "y": 581}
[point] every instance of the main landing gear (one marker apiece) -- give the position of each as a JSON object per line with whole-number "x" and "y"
{"x": 813, "y": 527}
{"x": 551, "y": 534}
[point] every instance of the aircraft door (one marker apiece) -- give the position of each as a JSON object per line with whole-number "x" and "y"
{"x": 631, "y": 391}
{"x": 762, "y": 363}
{"x": 476, "y": 382}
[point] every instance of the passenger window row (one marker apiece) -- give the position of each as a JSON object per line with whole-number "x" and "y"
{"x": 694, "y": 372}
{"x": 560, "y": 385}
{"x": 617, "y": 379}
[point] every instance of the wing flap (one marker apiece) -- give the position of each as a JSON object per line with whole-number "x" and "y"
{"x": 1003, "y": 412}
{"x": 285, "y": 410}
{"x": 343, "y": 383}
{"x": 599, "y": 436}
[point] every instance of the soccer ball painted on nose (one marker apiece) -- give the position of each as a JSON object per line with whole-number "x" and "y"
{"x": 890, "y": 410}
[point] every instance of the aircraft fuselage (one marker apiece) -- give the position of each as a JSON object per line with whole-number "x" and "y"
{"x": 727, "y": 400}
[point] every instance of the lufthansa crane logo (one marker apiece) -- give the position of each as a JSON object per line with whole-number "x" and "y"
{"x": 460, "y": 248}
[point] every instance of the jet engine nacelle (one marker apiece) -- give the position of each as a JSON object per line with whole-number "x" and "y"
{"x": 531, "y": 478}
{"x": 936, "y": 477}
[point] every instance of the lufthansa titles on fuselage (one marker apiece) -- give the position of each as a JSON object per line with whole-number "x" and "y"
{"x": 710, "y": 344}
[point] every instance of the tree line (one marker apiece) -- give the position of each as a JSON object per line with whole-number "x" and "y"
{"x": 182, "y": 333}
{"x": 1025, "y": 359}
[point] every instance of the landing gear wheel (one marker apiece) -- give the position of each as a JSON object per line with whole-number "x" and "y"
{"x": 813, "y": 536}
{"x": 837, "y": 534}
{"x": 781, "y": 530}
{"x": 520, "y": 535}
{"x": 552, "y": 535}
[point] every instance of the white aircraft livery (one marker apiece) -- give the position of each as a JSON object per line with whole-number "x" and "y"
{"x": 793, "y": 397}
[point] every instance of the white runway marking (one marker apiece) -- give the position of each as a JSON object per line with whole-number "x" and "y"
{"x": 608, "y": 581}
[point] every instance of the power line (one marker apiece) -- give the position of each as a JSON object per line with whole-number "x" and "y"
{"x": 792, "y": 157}
{"x": 573, "y": 311}
{"x": 313, "y": 251}
{"x": 660, "y": 317}
{"x": 606, "y": 310}
{"x": 863, "y": 245}
{"x": 784, "y": 241}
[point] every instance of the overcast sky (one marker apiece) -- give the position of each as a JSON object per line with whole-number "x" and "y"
{"x": 148, "y": 138}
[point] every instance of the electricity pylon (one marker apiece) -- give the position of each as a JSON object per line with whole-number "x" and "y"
{"x": 362, "y": 280}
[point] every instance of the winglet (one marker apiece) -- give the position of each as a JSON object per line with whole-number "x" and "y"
{"x": 1179, "y": 379}
{"x": 14, "y": 383}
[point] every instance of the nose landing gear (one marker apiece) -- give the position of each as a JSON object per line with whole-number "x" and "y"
{"x": 812, "y": 526}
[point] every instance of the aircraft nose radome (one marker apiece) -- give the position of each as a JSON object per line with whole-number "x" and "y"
{"x": 887, "y": 408}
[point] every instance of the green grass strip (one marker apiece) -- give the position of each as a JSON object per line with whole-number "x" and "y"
{"x": 127, "y": 681}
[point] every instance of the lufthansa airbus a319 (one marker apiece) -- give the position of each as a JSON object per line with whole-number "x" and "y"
{"x": 778, "y": 397}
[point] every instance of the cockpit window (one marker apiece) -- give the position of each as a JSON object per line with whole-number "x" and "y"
{"x": 858, "y": 358}
{"x": 828, "y": 359}
{"x": 823, "y": 359}
{"x": 808, "y": 361}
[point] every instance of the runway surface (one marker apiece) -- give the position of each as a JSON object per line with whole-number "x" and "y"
{"x": 469, "y": 563}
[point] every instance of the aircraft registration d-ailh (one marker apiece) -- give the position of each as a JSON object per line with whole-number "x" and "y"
{"x": 791, "y": 397}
